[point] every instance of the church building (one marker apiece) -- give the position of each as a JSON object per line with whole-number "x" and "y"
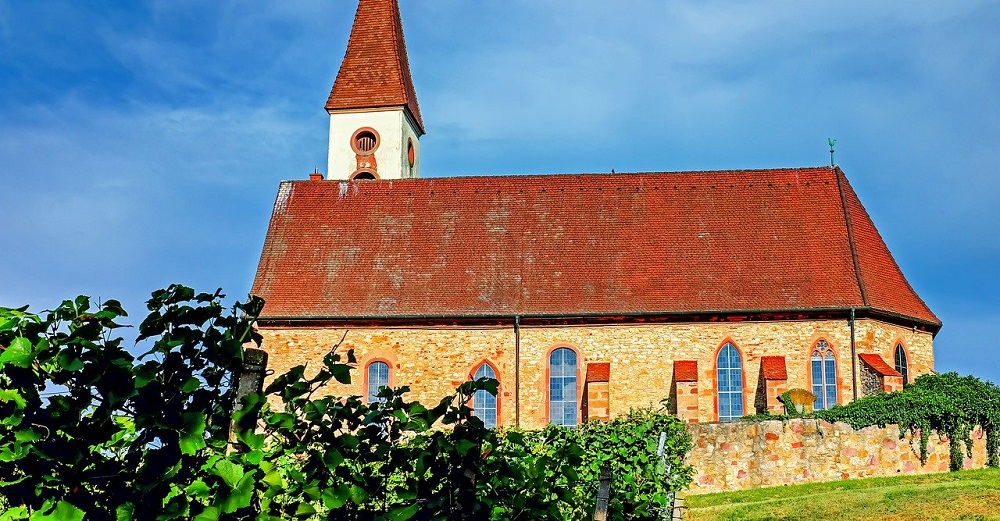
{"x": 583, "y": 295}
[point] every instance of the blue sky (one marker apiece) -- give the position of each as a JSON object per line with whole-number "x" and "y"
{"x": 141, "y": 143}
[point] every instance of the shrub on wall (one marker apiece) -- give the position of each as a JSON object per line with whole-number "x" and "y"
{"x": 87, "y": 430}
{"x": 947, "y": 404}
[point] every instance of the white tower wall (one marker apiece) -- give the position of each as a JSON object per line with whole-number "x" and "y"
{"x": 394, "y": 128}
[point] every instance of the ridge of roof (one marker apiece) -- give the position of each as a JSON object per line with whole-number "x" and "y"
{"x": 375, "y": 72}
{"x": 841, "y": 179}
{"x": 519, "y": 177}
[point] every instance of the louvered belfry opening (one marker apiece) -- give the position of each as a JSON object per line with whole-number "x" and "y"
{"x": 365, "y": 142}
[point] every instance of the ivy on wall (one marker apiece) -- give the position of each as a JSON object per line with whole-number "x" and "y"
{"x": 947, "y": 404}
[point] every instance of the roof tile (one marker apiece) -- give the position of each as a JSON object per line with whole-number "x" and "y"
{"x": 876, "y": 362}
{"x": 574, "y": 245}
{"x": 598, "y": 371}
{"x": 773, "y": 367}
{"x": 686, "y": 371}
{"x": 375, "y": 72}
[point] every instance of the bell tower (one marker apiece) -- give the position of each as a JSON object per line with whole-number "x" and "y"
{"x": 375, "y": 124}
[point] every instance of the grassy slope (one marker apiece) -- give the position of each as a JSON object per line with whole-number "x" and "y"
{"x": 971, "y": 494}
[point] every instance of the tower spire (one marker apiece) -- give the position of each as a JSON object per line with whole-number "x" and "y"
{"x": 375, "y": 123}
{"x": 375, "y": 72}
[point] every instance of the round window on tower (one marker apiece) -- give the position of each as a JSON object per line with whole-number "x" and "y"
{"x": 365, "y": 141}
{"x": 411, "y": 152}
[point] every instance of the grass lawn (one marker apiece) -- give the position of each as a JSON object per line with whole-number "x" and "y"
{"x": 968, "y": 494}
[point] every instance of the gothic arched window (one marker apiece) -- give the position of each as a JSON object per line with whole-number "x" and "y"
{"x": 901, "y": 364}
{"x": 484, "y": 404}
{"x": 729, "y": 383}
{"x": 824, "y": 376}
{"x": 378, "y": 377}
{"x": 562, "y": 387}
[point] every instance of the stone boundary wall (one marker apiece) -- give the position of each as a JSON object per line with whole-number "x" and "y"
{"x": 738, "y": 456}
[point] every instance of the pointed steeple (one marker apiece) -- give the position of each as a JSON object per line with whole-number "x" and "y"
{"x": 375, "y": 72}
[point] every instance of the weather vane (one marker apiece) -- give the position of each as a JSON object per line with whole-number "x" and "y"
{"x": 832, "y": 142}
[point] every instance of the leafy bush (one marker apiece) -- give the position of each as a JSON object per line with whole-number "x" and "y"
{"x": 642, "y": 483}
{"x": 85, "y": 428}
{"x": 88, "y": 430}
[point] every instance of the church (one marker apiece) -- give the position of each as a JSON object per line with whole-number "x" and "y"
{"x": 584, "y": 295}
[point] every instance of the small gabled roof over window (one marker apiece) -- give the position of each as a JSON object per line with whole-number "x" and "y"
{"x": 773, "y": 367}
{"x": 598, "y": 372}
{"x": 877, "y": 364}
{"x": 686, "y": 370}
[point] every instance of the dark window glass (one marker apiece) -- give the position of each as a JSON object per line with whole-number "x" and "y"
{"x": 378, "y": 377}
{"x": 562, "y": 387}
{"x": 484, "y": 404}
{"x": 901, "y": 365}
{"x": 729, "y": 383}
{"x": 824, "y": 376}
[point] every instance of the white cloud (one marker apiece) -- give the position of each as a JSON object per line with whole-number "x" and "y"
{"x": 102, "y": 198}
{"x": 176, "y": 119}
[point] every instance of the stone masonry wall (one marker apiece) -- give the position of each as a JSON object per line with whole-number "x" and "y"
{"x": 435, "y": 360}
{"x": 737, "y": 455}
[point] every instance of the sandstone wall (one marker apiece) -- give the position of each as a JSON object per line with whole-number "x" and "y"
{"x": 434, "y": 360}
{"x": 736, "y": 455}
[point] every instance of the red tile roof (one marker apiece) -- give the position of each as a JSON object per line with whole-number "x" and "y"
{"x": 773, "y": 367}
{"x": 578, "y": 245}
{"x": 375, "y": 72}
{"x": 686, "y": 371}
{"x": 598, "y": 371}
{"x": 878, "y": 364}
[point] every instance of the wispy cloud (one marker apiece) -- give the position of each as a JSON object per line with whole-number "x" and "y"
{"x": 98, "y": 194}
{"x": 144, "y": 140}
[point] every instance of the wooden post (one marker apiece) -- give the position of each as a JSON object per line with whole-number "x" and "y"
{"x": 249, "y": 379}
{"x": 603, "y": 495}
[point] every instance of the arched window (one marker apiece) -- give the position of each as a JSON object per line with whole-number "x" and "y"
{"x": 562, "y": 387}
{"x": 824, "y": 376}
{"x": 901, "y": 365}
{"x": 484, "y": 404}
{"x": 378, "y": 377}
{"x": 729, "y": 370}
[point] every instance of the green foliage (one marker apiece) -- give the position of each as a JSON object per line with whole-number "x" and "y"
{"x": 948, "y": 404}
{"x": 397, "y": 458}
{"x": 86, "y": 426}
{"x": 790, "y": 408}
{"x": 88, "y": 431}
{"x": 642, "y": 482}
